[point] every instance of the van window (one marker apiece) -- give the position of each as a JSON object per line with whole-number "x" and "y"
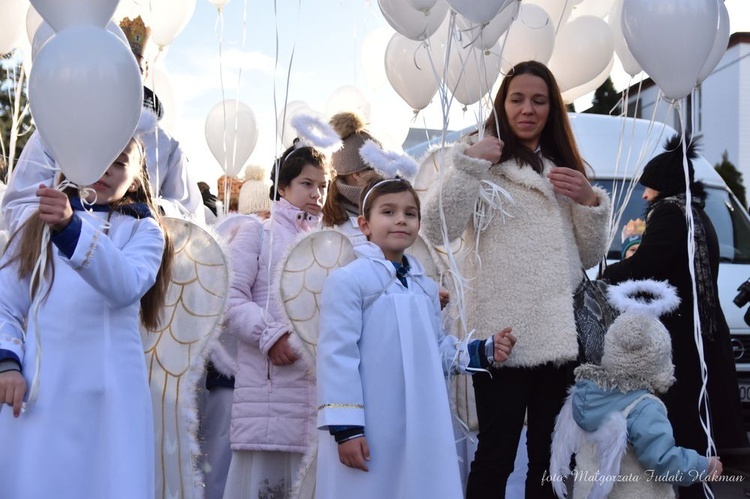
{"x": 729, "y": 219}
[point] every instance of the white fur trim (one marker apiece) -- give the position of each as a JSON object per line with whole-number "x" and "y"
{"x": 388, "y": 163}
{"x": 664, "y": 297}
{"x": 316, "y": 132}
{"x": 147, "y": 122}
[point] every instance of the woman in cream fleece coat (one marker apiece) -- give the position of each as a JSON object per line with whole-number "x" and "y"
{"x": 530, "y": 255}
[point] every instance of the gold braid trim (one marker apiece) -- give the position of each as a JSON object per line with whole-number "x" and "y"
{"x": 90, "y": 251}
{"x": 341, "y": 406}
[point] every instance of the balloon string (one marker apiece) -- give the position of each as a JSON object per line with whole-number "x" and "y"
{"x": 219, "y": 30}
{"x": 703, "y": 400}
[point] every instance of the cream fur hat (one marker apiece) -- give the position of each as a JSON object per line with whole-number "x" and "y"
{"x": 637, "y": 346}
{"x": 254, "y": 196}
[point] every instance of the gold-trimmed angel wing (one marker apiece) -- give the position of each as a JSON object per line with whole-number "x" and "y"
{"x": 303, "y": 272}
{"x": 176, "y": 350}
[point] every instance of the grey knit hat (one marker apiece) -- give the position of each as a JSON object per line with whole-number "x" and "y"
{"x": 351, "y": 129}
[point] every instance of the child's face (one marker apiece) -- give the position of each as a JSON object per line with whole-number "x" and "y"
{"x": 393, "y": 224}
{"x": 306, "y": 191}
{"x": 118, "y": 179}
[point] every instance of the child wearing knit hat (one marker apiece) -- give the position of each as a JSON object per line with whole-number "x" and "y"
{"x": 613, "y": 421}
{"x": 351, "y": 175}
{"x": 631, "y": 234}
{"x": 253, "y": 197}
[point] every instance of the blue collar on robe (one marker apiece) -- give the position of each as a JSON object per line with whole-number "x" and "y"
{"x": 135, "y": 210}
{"x": 401, "y": 270}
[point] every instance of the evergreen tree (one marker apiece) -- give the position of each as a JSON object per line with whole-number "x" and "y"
{"x": 732, "y": 177}
{"x": 606, "y": 100}
{"x": 10, "y": 69}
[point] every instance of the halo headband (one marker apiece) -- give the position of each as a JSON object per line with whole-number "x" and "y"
{"x": 378, "y": 184}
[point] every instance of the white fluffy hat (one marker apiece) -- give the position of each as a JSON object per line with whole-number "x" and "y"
{"x": 254, "y": 193}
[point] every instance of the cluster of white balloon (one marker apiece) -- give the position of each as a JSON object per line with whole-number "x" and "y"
{"x": 467, "y": 45}
{"x": 85, "y": 86}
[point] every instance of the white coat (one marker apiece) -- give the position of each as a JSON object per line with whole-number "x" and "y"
{"x": 382, "y": 362}
{"x": 90, "y": 433}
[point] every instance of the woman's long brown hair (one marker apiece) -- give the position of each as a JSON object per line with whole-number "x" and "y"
{"x": 30, "y": 242}
{"x": 557, "y": 141}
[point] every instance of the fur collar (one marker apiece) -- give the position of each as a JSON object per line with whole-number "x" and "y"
{"x": 625, "y": 382}
{"x": 526, "y": 176}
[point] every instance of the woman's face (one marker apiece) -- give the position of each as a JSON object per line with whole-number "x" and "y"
{"x": 307, "y": 191}
{"x": 527, "y": 108}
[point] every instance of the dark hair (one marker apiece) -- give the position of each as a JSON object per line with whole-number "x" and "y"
{"x": 556, "y": 142}
{"x": 291, "y": 164}
{"x": 377, "y": 188}
{"x": 665, "y": 172}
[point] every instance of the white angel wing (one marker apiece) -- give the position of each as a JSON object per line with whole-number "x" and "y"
{"x": 303, "y": 272}
{"x": 566, "y": 441}
{"x": 421, "y": 251}
{"x": 175, "y": 352}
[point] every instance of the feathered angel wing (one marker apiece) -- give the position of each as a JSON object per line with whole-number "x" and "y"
{"x": 303, "y": 272}
{"x": 566, "y": 441}
{"x": 175, "y": 353}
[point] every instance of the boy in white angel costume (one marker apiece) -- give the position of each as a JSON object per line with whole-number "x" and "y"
{"x": 612, "y": 420}
{"x": 382, "y": 362}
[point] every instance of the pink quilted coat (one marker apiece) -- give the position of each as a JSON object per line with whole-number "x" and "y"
{"x": 274, "y": 406}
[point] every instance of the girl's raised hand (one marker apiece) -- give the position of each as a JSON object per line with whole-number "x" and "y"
{"x": 572, "y": 183}
{"x": 353, "y": 453}
{"x": 281, "y": 353}
{"x": 503, "y": 343}
{"x": 489, "y": 148}
{"x": 54, "y": 207}
{"x": 12, "y": 390}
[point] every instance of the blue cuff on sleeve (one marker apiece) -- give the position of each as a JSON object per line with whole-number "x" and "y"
{"x": 477, "y": 355}
{"x": 8, "y": 355}
{"x": 67, "y": 239}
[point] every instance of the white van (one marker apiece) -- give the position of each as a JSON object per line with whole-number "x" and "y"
{"x": 600, "y": 145}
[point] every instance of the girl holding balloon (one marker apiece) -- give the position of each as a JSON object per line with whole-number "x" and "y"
{"x": 72, "y": 369}
{"x": 521, "y": 196}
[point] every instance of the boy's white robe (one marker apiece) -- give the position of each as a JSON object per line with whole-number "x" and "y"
{"x": 90, "y": 433}
{"x": 382, "y": 364}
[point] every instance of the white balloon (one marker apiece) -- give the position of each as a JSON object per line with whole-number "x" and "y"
{"x": 44, "y": 32}
{"x": 160, "y": 82}
{"x": 33, "y": 21}
{"x": 407, "y": 65}
{"x": 12, "y": 16}
{"x": 286, "y": 116}
{"x": 478, "y": 11}
{"x": 671, "y": 40}
{"x": 61, "y": 14}
{"x": 598, "y": 8}
{"x": 579, "y": 91}
{"x": 558, "y": 10}
{"x": 371, "y": 58}
{"x": 719, "y": 46}
{"x": 390, "y": 125}
{"x": 168, "y": 18}
{"x": 411, "y": 22}
{"x": 86, "y": 94}
{"x": 422, "y": 4}
{"x": 583, "y": 48}
{"x": 349, "y": 98}
{"x": 629, "y": 64}
{"x": 531, "y": 37}
{"x": 219, "y": 3}
{"x": 485, "y": 35}
{"x": 132, "y": 9}
{"x": 471, "y": 73}
{"x": 231, "y": 134}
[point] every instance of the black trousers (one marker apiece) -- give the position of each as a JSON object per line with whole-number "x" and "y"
{"x": 502, "y": 402}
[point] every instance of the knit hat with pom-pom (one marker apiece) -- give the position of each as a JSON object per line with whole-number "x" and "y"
{"x": 351, "y": 129}
{"x": 254, "y": 191}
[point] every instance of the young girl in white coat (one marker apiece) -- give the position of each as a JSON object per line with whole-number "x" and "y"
{"x": 273, "y": 408}
{"x": 70, "y": 343}
{"x": 382, "y": 363}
